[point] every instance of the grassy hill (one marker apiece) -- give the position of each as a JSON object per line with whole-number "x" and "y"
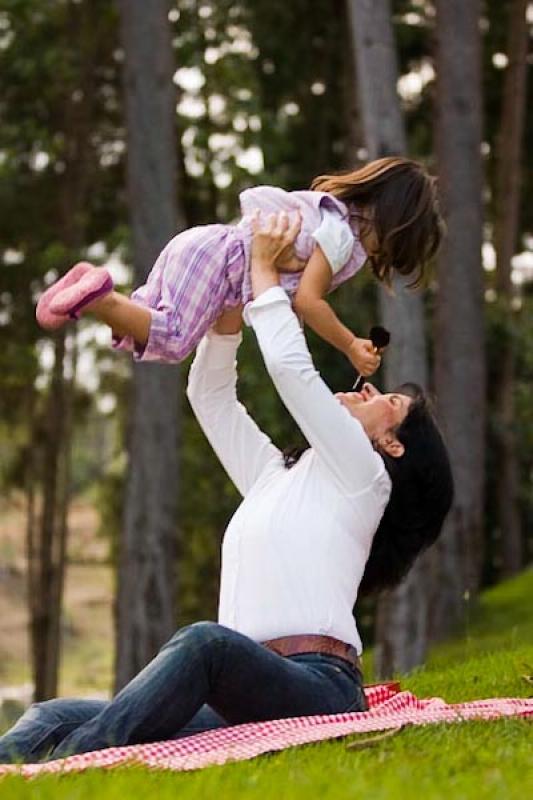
{"x": 469, "y": 761}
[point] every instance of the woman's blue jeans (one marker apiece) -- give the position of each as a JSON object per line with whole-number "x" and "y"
{"x": 206, "y": 676}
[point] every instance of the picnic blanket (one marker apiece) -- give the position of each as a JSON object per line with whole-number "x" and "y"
{"x": 389, "y": 708}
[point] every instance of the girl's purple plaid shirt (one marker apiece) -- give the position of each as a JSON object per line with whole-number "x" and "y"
{"x": 206, "y": 269}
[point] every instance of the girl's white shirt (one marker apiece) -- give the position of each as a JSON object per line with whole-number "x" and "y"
{"x": 294, "y": 552}
{"x": 336, "y": 239}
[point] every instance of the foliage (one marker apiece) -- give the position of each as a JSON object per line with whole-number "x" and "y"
{"x": 517, "y": 328}
{"x": 273, "y": 76}
{"x": 58, "y": 83}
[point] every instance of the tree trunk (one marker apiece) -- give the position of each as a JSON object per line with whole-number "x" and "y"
{"x": 43, "y": 624}
{"x": 62, "y": 508}
{"x": 402, "y": 616}
{"x": 145, "y": 612}
{"x": 508, "y": 160}
{"x": 30, "y": 487}
{"x": 460, "y": 358}
{"x": 48, "y": 495}
{"x": 47, "y": 541}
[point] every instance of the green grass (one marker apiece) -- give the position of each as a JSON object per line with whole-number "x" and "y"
{"x": 475, "y": 760}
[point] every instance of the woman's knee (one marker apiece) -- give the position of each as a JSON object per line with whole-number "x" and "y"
{"x": 198, "y": 633}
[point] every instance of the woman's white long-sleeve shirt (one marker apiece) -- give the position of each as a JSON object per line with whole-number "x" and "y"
{"x": 294, "y": 552}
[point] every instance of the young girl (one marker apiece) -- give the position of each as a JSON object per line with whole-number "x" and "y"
{"x": 385, "y": 212}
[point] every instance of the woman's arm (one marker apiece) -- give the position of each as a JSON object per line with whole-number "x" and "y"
{"x": 338, "y": 438}
{"x": 310, "y": 304}
{"x": 242, "y": 448}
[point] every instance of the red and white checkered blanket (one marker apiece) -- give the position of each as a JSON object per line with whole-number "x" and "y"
{"x": 388, "y": 708}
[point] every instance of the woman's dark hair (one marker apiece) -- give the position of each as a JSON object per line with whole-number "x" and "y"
{"x": 398, "y": 201}
{"x": 421, "y": 496}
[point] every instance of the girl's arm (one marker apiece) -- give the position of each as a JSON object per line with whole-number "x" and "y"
{"x": 310, "y": 304}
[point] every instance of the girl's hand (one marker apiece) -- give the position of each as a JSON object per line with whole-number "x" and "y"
{"x": 364, "y": 356}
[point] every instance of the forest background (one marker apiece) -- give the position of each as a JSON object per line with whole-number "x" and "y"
{"x": 121, "y": 124}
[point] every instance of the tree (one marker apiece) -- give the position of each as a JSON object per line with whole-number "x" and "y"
{"x": 46, "y": 592}
{"x": 145, "y": 612}
{"x": 459, "y": 346}
{"x": 402, "y": 615}
{"x": 50, "y": 148}
{"x": 506, "y": 225}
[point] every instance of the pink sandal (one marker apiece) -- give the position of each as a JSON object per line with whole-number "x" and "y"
{"x": 45, "y": 317}
{"x": 92, "y": 284}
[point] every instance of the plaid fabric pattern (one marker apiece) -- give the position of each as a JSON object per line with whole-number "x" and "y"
{"x": 206, "y": 269}
{"x": 272, "y": 200}
{"x": 388, "y": 708}
{"x": 195, "y": 277}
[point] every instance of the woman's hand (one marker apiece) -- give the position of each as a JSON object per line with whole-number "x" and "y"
{"x": 272, "y": 239}
{"x": 288, "y": 261}
{"x": 364, "y": 356}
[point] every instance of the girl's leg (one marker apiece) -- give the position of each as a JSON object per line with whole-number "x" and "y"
{"x": 124, "y": 316}
{"x": 185, "y": 292}
{"x": 43, "y": 726}
{"x": 240, "y": 679}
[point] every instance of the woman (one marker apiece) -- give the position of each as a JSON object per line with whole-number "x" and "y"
{"x": 294, "y": 553}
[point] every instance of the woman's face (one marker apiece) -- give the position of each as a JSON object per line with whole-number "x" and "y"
{"x": 379, "y": 414}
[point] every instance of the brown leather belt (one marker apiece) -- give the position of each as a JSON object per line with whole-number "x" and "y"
{"x": 314, "y": 643}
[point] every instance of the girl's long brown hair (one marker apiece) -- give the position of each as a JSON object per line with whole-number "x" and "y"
{"x": 394, "y": 198}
